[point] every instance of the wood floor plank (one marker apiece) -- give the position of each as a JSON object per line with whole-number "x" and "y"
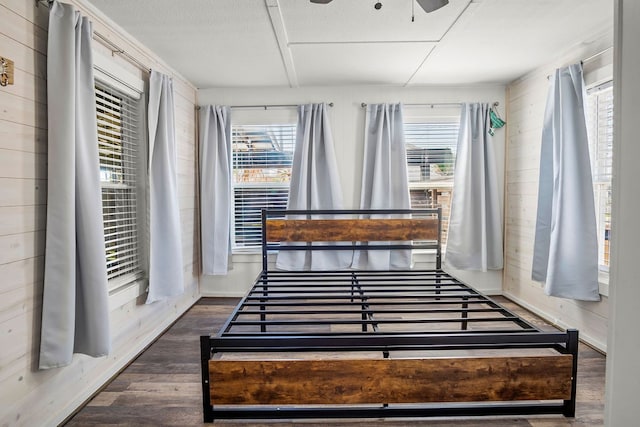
{"x": 162, "y": 386}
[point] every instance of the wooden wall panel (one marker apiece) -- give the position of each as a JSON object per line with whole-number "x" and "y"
{"x": 19, "y": 274}
{"x": 16, "y": 247}
{"x": 525, "y": 111}
{"x": 34, "y": 88}
{"x": 22, "y": 110}
{"x": 28, "y": 396}
{"x": 21, "y": 219}
{"x": 23, "y": 192}
{"x": 22, "y": 164}
{"x": 37, "y": 16}
{"x": 23, "y": 30}
{"x": 25, "y": 59}
{"x": 14, "y": 136}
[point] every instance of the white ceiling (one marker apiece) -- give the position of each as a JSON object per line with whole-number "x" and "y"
{"x": 229, "y": 43}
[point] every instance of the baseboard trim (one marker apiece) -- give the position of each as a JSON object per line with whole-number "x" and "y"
{"x": 223, "y": 294}
{"x": 584, "y": 337}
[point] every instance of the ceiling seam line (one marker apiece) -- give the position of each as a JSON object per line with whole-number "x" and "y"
{"x": 455, "y": 21}
{"x": 363, "y": 42}
{"x": 419, "y": 66}
{"x": 280, "y": 32}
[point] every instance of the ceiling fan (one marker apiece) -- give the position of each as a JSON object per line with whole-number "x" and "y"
{"x": 426, "y": 5}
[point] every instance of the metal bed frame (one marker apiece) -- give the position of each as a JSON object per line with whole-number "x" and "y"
{"x": 377, "y": 311}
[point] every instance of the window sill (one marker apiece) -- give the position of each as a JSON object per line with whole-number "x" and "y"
{"x": 246, "y": 256}
{"x": 127, "y": 293}
{"x": 603, "y": 283}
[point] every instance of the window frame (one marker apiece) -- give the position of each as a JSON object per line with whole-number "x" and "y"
{"x": 596, "y": 90}
{"x": 255, "y": 123}
{"x": 114, "y": 77}
{"x": 429, "y": 116}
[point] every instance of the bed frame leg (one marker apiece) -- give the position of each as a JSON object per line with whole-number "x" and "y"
{"x": 263, "y": 301}
{"x": 465, "y": 313}
{"x": 205, "y": 355}
{"x": 569, "y": 406}
{"x": 263, "y": 316}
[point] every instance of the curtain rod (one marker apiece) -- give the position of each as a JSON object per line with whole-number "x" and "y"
{"x": 267, "y": 106}
{"x": 115, "y": 49}
{"x": 435, "y": 104}
{"x": 595, "y": 55}
{"x": 590, "y": 58}
{"x": 118, "y": 50}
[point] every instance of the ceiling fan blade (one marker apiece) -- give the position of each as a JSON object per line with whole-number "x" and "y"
{"x": 431, "y": 5}
{"x": 321, "y": 1}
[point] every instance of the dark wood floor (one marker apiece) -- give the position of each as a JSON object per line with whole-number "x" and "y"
{"x": 162, "y": 386}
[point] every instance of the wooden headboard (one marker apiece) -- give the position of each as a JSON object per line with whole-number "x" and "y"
{"x": 351, "y": 230}
{"x": 389, "y": 228}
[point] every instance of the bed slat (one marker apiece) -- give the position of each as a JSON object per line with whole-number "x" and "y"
{"x": 348, "y": 381}
{"x": 351, "y": 230}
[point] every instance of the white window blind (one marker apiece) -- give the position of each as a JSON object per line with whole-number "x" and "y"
{"x": 431, "y": 149}
{"x": 600, "y": 124}
{"x": 118, "y": 146}
{"x": 262, "y": 157}
{"x": 431, "y": 155}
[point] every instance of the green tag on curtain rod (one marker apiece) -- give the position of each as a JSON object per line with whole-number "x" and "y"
{"x": 496, "y": 121}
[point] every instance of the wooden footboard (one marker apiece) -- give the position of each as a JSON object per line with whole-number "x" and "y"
{"x": 391, "y": 381}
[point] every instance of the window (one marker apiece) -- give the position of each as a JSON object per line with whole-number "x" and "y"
{"x": 600, "y": 126}
{"x": 123, "y": 208}
{"x": 431, "y": 152}
{"x": 262, "y": 156}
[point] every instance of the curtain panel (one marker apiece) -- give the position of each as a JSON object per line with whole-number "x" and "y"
{"x": 315, "y": 184}
{"x": 565, "y": 254}
{"x": 475, "y": 222}
{"x": 165, "y": 246}
{"x": 215, "y": 189}
{"x": 75, "y": 314}
{"x": 385, "y": 183}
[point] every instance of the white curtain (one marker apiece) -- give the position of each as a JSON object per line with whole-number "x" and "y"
{"x": 75, "y": 315}
{"x": 315, "y": 184}
{"x": 215, "y": 189}
{"x": 384, "y": 179}
{"x": 566, "y": 245}
{"x": 165, "y": 246}
{"x": 475, "y": 223}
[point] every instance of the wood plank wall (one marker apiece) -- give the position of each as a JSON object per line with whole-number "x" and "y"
{"x": 27, "y": 396}
{"x": 525, "y": 110}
